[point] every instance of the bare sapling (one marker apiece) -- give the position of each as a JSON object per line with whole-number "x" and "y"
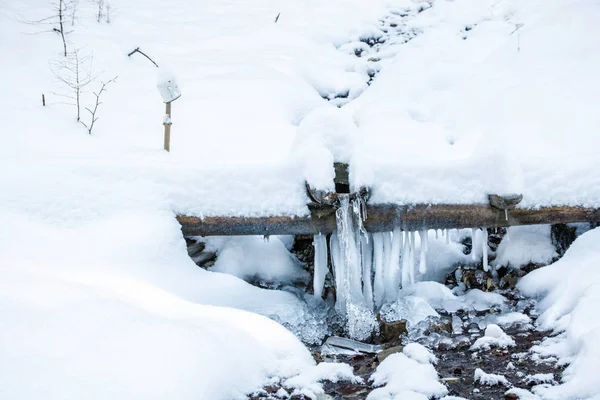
{"x": 100, "y": 14}
{"x": 58, "y": 21}
{"x": 93, "y": 118}
{"x": 75, "y": 73}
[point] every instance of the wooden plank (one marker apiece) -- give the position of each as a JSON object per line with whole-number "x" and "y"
{"x": 386, "y": 217}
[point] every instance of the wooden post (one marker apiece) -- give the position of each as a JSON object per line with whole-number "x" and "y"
{"x": 167, "y": 124}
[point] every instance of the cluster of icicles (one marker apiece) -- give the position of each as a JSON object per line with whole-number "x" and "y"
{"x": 370, "y": 268}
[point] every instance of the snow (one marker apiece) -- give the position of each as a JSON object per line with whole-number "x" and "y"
{"x": 478, "y": 115}
{"x": 404, "y": 377}
{"x": 419, "y": 353}
{"x": 100, "y": 336}
{"x": 570, "y": 306}
{"x": 512, "y": 318}
{"x": 539, "y": 378}
{"x": 474, "y": 299}
{"x": 307, "y": 382}
{"x": 490, "y": 379}
{"x": 528, "y": 244}
{"x": 98, "y": 296}
{"x": 523, "y": 394}
{"x": 254, "y": 258}
{"x": 494, "y": 336}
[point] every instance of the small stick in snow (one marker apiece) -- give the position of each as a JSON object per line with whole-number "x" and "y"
{"x": 277, "y": 17}
{"x": 137, "y": 50}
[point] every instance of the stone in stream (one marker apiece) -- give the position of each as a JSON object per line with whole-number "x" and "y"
{"x": 391, "y": 331}
{"x": 353, "y": 345}
{"x": 388, "y": 352}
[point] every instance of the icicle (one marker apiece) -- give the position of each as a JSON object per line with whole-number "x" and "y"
{"x": 320, "y": 244}
{"x": 447, "y": 236}
{"x": 367, "y": 270}
{"x": 506, "y": 214}
{"x": 338, "y": 273}
{"x": 423, "y": 255}
{"x": 484, "y": 251}
{"x": 474, "y": 244}
{"x": 436, "y": 234}
{"x": 411, "y": 258}
{"x": 405, "y": 260}
{"x": 391, "y": 274}
{"x": 378, "y": 288}
{"x": 360, "y": 211}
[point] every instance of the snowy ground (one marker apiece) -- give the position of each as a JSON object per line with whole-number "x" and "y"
{"x": 97, "y": 294}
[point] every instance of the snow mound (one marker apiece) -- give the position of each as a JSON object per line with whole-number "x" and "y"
{"x": 490, "y": 379}
{"x": 570, "y": 306}
{"x": 308, "y": 382}
{"x": 539, "y": 378}
{"x": 407, "y": 378}
{"x": 419, "y": 353}
{"x": 526, "y": 244}
{"x": 255, "y": 258}
{"x": 494, "y": 337}
{"x": 131, "y": 340}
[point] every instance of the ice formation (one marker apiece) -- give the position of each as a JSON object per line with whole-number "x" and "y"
{"x": 320, "y": 244}
{"x": 423, "y": 260}
{"x": 369, "y": 269}
{"x": 347, "y": 263}
{"x": 484, "y": 250}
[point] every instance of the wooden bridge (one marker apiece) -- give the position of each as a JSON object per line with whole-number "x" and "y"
{"x": 386, "y": 217}
{"x": 501, "y": 211}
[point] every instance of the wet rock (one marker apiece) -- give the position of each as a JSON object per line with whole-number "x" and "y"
{"x": 563, "y": 236}
{"x": 509, "y": 281}
{"x": 318, "y": 357}
{"x": 195, "y": 248}
{"x": 439, "y": 327}
{"x": 351, "y": 389}
{"x": 271, "y": 389}
{"x": 506, "y": 202}
{"x": 205, "y": 259}
{"x": 391, "y": 331}
{"x": 388, "y": 352}
{"x": 473, "y": 327}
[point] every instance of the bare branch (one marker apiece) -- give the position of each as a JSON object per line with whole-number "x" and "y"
{"x": 93, "y": 112}
{"x": 137, "y": 50}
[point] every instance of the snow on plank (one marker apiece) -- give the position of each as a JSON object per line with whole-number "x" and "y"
{"x": 387, "y": 217}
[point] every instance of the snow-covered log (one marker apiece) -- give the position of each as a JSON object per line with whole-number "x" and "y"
{"x": 387, "y": 217}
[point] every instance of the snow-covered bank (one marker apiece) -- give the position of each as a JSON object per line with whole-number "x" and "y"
{"x": 569, "y": 295}
{"x": 492, "y": 97}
